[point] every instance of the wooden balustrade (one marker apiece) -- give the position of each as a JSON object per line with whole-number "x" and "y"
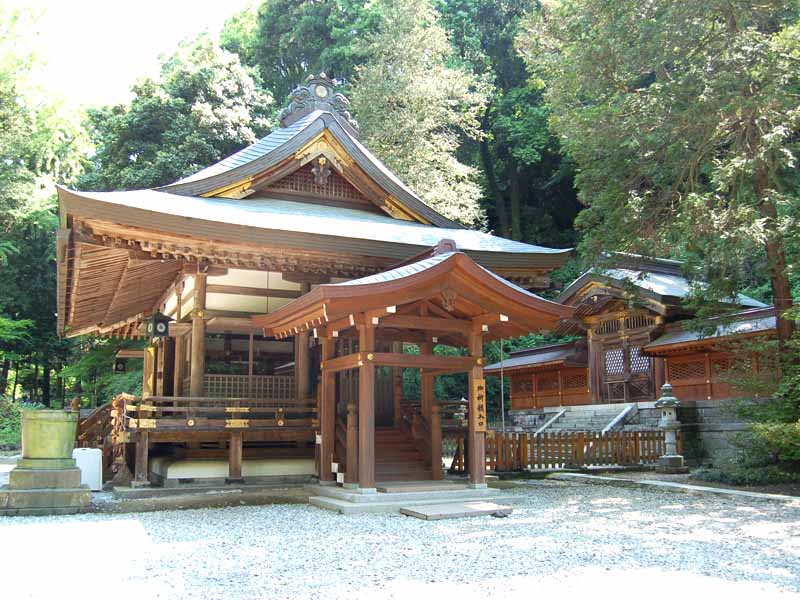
{"x": 521, "y": 451}
{"x": 165, "y": 413}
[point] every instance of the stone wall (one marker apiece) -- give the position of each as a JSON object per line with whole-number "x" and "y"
{"x": 708, "y": 427}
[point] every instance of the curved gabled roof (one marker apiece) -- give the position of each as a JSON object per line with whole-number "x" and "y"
{"x": 481, "y": 291}
{"x": 284, "y": 143}
{"x": 660, "y": 286}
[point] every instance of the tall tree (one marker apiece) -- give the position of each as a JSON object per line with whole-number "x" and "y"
{"x": 414, "y": 107}
{"x": 205, "y": 106}
{"x": 528, "y": 185}
{"x": 682, "y": 118}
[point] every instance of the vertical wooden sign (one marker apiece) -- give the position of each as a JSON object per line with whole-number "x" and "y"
{"x": 477, "y": 405}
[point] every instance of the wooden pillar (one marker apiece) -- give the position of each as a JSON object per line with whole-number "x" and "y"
{"x": 366, "y": 408}
{"x": 235, "y": 457}
{"x": 177, "y": 372}
{"x": 327, "y": 410}
{"x": 149, "y": 372}
{"x": 351, "y": 475}
{"x": 141, "y": 469}
{"x": 250, "y": 354}
{"x": 436, "y": 442}
{"x": 198, "y": 369}
{"x": 397, "y": 386}
{"x": 426, "y": 384}
{"x": 302, "y": 360}
{"x": 397, "y": 380}
{"x": 476, "y": 437}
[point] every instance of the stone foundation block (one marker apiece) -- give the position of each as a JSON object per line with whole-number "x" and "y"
{"x": 35, "y": 479}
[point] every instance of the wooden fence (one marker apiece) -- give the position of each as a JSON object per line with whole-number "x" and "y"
{"x": 524, "y": 451}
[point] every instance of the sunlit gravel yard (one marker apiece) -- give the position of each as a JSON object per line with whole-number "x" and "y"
{"x": 563, "y": 540}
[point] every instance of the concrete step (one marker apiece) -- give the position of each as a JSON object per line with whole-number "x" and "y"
{"x": 419, "y": 486}
{"x": 393, "y": 502}
{"x": 457, "y": 510}
{"x": 431, "y": 497}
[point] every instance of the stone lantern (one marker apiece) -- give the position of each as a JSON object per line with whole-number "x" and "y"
{"x": 671, "y": 461}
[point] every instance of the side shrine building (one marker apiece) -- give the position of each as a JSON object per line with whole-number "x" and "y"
{"x": 277, "y": 288}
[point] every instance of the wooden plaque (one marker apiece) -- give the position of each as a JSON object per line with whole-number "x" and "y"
{"x": 477, "y": 405}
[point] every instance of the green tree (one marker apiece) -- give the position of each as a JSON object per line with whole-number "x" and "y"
{"x": 289, "y": 39}
{"x": 205, "y": 107}
{"x": 414, "y": 106}
{"x": 682, "y": 118}
{"x": 528, "y": 184}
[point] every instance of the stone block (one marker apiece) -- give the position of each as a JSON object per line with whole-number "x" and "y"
{"x": 671, "y": 463}
{"x": 34, "y": 479}
{"x": 46, "y": 499}
{"x": 46, "y": 463}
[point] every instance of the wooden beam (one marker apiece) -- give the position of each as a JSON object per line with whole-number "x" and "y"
{"x": 415, "y": 361}
{"x": 240, "y": 290}
{"x": 427, "y": 324}
{"x": 342, "y": 363}
{"x": 141, "y": 477}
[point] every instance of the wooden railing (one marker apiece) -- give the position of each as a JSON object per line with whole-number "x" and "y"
{"x": 523, "y": 451}
{"x": 164, "y": 413}
{"x": 95, "y": 428}
{"x": 263, "y": 387}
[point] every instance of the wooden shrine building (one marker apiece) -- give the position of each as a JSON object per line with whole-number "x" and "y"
{"x": 292, "y": 273}
{"x": 631, "y": 336}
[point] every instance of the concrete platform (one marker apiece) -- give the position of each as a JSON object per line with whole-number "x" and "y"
{"x": 345, "y": 501}
{"x": 457, "y": 510}
{"x": 174, "y": 472}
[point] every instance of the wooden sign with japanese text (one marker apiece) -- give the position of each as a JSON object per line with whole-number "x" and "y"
{"x": 477, "y": 405}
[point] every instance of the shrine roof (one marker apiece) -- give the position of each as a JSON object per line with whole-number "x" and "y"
{"x": 753, "y": 321}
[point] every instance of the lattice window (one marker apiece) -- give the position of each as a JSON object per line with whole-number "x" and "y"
{"x": 687, "y": 370}
{"x": 574, "y": 381}
{"x": 720, "y": 366}
{"x": 615, "y": 391}
{"x": 607, "y": 327}
{"x": 615, "y": 361}
{"x": 547, "y": 383}
{"x": 302, "y": 182}
{"x": 640, "y": 363}
{"x": 640, "y": 388}
{"x": 639, "y": 321}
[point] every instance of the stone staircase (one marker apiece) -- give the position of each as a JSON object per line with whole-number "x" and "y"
{"x": 397, "y": 458}
{"x": 589, "y": 418}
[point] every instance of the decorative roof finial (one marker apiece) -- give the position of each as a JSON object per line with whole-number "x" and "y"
{"x": 318, "y": 94}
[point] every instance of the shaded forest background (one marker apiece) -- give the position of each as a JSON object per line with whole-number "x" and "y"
{"x": 661, "y": 128}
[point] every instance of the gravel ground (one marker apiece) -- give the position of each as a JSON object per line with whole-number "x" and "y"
{"x": 563, "y": 538}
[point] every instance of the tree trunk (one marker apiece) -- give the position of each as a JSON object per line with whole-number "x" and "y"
{"x": 35, "y": 386}
{"x": 491, "y": 181}
{"x": 776, "y": 253}
{"x": 16, "y": 378}
{"x": 516, "y": 218}
{"x": 4, "y": 375}
{"x": 46, "y": 381}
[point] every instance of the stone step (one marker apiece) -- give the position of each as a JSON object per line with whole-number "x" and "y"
{"x": 434, "y": 497}
{"x": 419, "y": 486}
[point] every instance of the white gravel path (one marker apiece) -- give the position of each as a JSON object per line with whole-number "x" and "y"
{"x": 566, "y": 539}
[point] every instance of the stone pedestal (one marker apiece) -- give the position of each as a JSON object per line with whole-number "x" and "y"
{"x": 45, "y": 480}
{"x": 671, "y": 463}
